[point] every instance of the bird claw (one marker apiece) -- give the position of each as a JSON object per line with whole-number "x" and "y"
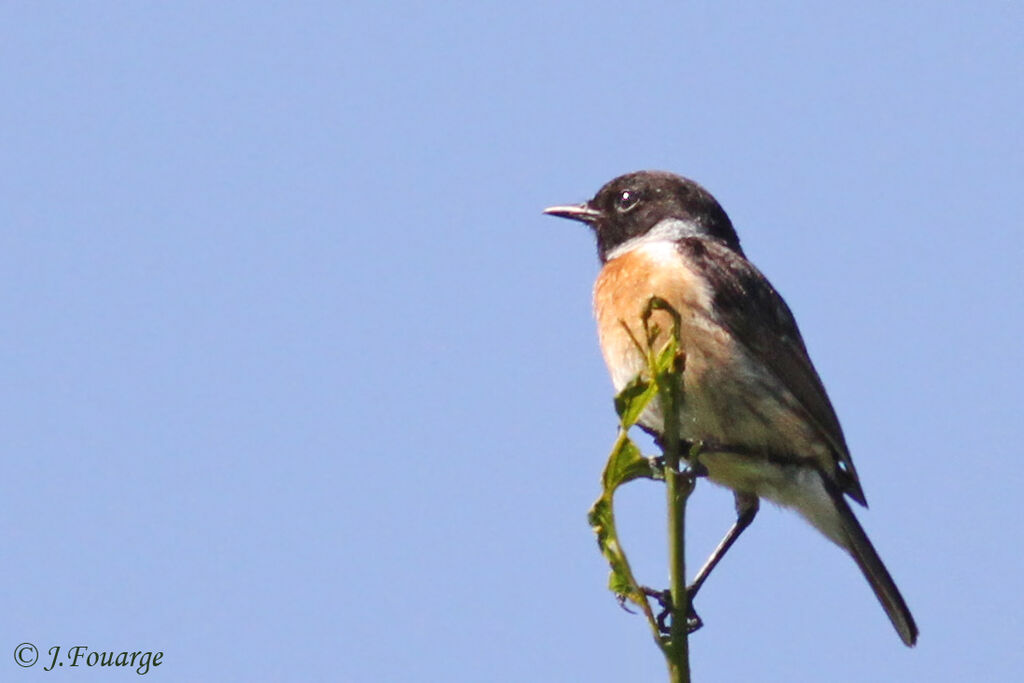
{"x": 664, "y": 599}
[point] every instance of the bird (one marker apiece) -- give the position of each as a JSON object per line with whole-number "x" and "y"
{"x": 752, "y": 398}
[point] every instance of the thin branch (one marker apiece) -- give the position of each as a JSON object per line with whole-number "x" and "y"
{"x": 678, "y": 486}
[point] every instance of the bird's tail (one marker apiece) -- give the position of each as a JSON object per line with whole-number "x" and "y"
{"x": 874, "y": 570}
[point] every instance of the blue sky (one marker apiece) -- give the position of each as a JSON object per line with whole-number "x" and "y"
{"x": 299, "y": 384}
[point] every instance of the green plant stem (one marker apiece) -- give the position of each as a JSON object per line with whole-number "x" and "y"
{"x": 678, "y": 485}
{"x": 664, "y": 379}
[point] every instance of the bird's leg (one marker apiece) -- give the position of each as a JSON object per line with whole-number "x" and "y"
{"x": 746, "y": 509}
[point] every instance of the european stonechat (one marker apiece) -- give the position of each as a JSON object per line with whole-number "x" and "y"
{"x": 751, "y": 396}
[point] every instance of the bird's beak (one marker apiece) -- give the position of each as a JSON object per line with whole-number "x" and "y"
{"x": 576, "y": 212}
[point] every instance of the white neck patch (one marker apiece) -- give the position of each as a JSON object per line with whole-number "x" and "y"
{"x": 666, "y": 230}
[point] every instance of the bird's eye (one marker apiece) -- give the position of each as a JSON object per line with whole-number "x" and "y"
{"x": 627, "y": 200}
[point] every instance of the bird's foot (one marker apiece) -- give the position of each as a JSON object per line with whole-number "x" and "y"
{"x": 664, "y": 599}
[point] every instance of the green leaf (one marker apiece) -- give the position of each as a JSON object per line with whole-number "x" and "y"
{"x": 622, "y": 583}
{"x": 666, "y": 359}
{"x": 620, "y": 580}
{"x": 631, "y": 401}
{"x": 600, "y": 518}
{"x": 625, "y": 464}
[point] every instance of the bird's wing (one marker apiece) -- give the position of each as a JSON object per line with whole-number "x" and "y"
{"x": 752, "y": 311}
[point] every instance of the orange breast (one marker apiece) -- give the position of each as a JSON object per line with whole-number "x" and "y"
{"x": 621, "y": 293}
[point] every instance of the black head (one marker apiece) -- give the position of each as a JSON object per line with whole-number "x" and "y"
{"x": 632, "y": 204}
